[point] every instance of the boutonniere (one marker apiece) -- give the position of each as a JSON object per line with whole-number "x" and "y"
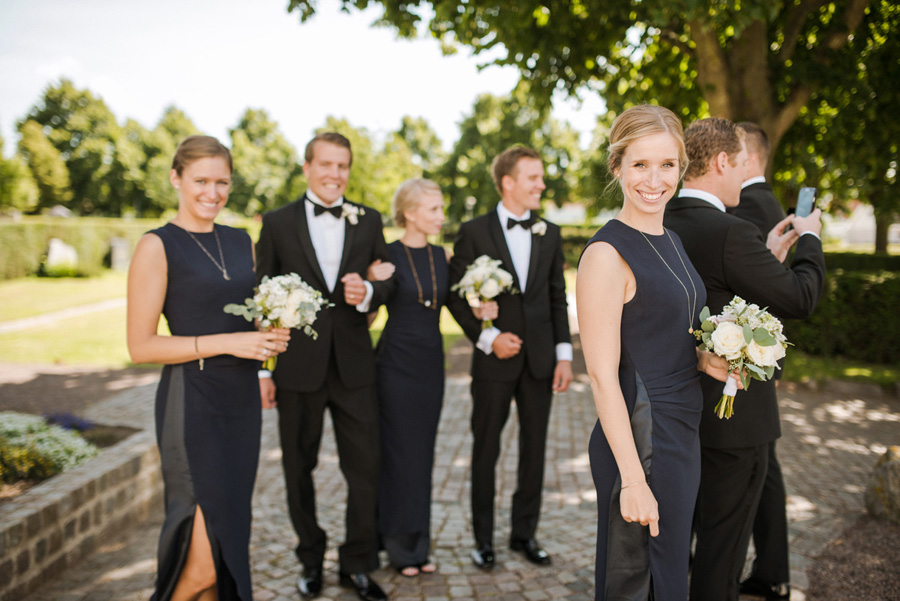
{"x": 539, "y": 228}
{"x": 352, "y": 213}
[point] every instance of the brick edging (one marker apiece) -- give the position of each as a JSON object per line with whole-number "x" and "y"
{"x": 58, "y": 522}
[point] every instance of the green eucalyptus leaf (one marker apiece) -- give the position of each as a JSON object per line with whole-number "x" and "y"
{"x": 704, "y": 315}
{"x": 763, "y": 337}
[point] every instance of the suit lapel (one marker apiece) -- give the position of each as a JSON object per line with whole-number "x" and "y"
{"x": 500, "y": 240}
{"x": 533, "y": 261}
{"x": 306, "y": 243}
{"x": 349, "y": 231}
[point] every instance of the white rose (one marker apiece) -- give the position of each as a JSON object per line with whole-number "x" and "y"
{"x": 728, "y": 340}
{"x": 489, "y": 289}
{"x": 764, "y": 356}
{"x": 289, "y": 319}
{"x": 779, "y": 351}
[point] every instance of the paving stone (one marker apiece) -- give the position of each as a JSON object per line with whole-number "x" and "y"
{"x": 831, "y": 440}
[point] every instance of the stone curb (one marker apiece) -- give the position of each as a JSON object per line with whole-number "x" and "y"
{"x": 59, "y": 522}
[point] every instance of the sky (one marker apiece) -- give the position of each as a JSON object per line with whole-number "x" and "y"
{"x": 215, "y": 58}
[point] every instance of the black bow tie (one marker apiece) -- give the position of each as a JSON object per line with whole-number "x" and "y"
{"x": 524, "y": 223}
{"x": 319, "y": 209}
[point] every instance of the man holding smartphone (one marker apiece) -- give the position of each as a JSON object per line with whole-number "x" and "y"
{"x": 732, "y": 259}
{"x": 770, "y": 577}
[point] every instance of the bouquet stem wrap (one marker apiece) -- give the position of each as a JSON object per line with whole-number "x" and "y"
{"x": 725, "y": 406}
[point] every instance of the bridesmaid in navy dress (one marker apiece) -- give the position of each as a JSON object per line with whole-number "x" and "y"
{"x": 410, "y": 369}
{"x": 638, "y": 299}
{"x": 208, "y": 400}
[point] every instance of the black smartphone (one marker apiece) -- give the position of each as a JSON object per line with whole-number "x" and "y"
{"x": 806, "y": 202}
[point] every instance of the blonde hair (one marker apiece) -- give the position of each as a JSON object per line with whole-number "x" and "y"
{"x": 637, "y": 122}
{"x": 408, "y": 195}
{"x": 706, "y": 138}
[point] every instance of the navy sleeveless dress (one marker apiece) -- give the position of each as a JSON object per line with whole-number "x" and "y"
{"x": 207, "y": 422}
{"x": 410, "y": 371}
{"x": 660, "y": 382}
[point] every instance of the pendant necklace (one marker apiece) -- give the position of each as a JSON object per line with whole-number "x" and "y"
{"x": 690, "y": 279}
{"x": 431, "y": 304}
{"x": 221, "y": 265}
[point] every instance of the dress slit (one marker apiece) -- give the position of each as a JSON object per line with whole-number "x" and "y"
{"x": 181, "y": 503}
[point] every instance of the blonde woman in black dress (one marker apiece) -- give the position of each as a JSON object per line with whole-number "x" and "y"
{"x": 639, "y": 299}
{"x": 208, "y": 402}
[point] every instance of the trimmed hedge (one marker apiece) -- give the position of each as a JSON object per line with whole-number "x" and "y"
{"x": 862, "y": 262}
{"x": 857, "y": 318}
{"x": 23, "y": 244}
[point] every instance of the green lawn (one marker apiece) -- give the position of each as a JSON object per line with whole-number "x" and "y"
{"x": 800, "y": 367}
{"x": 27, "y": 297}
{"x": 92, "y": 339}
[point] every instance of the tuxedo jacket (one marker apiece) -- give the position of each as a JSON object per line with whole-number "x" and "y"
{"x": 539, "y": 316}
{"x": 731, "y": 257}
{"x": 760, "y": 207}
{"x": 285, "y": 247}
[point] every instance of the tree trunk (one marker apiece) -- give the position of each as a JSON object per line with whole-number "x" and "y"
{"x": 712, "y": 69}
{"x": 882, "y": 223}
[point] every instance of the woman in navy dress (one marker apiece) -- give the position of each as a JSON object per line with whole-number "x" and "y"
{"x": 410, "y": 370}
{"x": 208, "y": 400}
{"x": 639, "y": 299}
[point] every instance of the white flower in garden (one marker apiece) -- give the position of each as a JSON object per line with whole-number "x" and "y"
{"x": 729, "y": 340}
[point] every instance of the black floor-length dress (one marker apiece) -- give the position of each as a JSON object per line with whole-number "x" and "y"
{"x": 660, "y": 382}
{"x": 410, "y": 372}
{"x": 208, "y": 422}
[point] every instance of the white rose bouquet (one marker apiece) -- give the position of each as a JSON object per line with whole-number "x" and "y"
{"x": 484, "y": 280}
{"x": 750, "y": 338}
{"x": 285, "y": 301}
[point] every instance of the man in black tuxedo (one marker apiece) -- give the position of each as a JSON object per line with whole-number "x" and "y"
{"x": 758, "y": 203}
{"x": 771, "y": 575}
{"x": 733, "y": 259}
{"x": 527, "y": 355}
{"x": 329, "y": 242}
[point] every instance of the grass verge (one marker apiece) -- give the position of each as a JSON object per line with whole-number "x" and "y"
{"x": 27, "y": 297}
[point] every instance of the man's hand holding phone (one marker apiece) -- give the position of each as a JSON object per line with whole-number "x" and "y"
{"x": 807, "y": 218}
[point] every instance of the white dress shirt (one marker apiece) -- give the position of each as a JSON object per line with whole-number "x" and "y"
{"x": 327, "y": 235}
{"x": 759, "y": 179}
{"x": 518, "y": 241}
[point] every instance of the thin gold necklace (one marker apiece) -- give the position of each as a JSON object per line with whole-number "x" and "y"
{"x": 431, "y": 304}
{"x": 691, "y": 309}
{"x": 212, "y": 258}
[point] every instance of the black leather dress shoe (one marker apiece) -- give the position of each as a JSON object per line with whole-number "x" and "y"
{"x": 483, "y": 557}
{"x": 310, "y": 584}
{"x": 366, "y": 588}
{"x": 532, "y": 551}
{"x": 754, "y": 587}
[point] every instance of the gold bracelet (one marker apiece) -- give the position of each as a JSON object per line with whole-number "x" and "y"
{"x": 633, "y": 484}
{"x": 197, "y": 350}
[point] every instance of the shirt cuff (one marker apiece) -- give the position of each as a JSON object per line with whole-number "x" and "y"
{"x": 363, "y": 307}
{"x": 564, "y": 351}
{"x": 819, "y": 238}
{"x": 486, "y": 340}
{"x": 264, "y": 373}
